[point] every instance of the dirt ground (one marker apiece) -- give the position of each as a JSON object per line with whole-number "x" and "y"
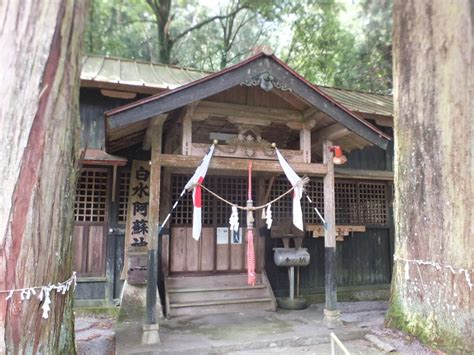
{"x": 96, "y": 335}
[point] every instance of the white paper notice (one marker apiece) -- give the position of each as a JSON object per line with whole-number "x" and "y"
{"x": 222, "y": 235}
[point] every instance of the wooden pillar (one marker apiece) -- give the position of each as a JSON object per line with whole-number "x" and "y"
{"x": 305, "y": 144}
{"x": 156, "y": 130}
{"x": 331, "y": 314}
{"x": 186, "y": 118}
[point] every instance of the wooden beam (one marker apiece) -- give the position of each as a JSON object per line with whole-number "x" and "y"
{"x": 249, "y": 121}
{"x": 314, "y": 114}
{"x": 331, "y": 315}
{"x": 309, "y": 124}
{"x": 189, "y": 93}
{"x": 233, "y": 164}
{"x": 187, "y": 134}
{"x": 147, "y": 141}
{"x": 341, "y": 172}
{"x": 333, "y": 132}
{"x": 255, "y": 113}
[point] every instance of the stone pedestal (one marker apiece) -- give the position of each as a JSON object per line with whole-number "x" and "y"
{"x": 133, "y": 304}
{"x": 332, "y": 318}
{"x": 150, "y": 334}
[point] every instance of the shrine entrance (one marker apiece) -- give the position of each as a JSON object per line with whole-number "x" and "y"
{"x": 218, "y": 250}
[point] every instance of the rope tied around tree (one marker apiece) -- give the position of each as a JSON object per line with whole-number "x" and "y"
{"x": 303, "y": 181}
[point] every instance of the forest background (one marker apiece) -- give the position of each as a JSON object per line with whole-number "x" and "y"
{"x": 338, "y": 43}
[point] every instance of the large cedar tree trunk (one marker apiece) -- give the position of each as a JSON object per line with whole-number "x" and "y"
{"x": 432, "y": 288}
{"x": 40, "y": 43}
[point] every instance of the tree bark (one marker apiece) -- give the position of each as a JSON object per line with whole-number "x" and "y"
{"x": 39, "y": 121}
{"x": 432, "y": 286}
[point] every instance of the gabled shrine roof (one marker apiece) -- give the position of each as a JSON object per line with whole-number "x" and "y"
{"x": 137, "y": 113}
{"x": 152, "y": 78}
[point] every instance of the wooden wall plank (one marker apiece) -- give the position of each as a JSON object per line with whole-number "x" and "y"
{"x": 192, "y": 252}
{"x": 178, "y": 249}
{"x": 236, "y": 260}
{"x": 222, "y": 257}
{"x": 207, "y": 249}
{"x": 96, "y": 251}
{"x": 78, "y": 249}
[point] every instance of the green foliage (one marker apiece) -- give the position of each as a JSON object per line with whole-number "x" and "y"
{"x": 327, "y": 52}
{"x": 321, "y": 49}
{"x": 313, "y": 36}
{"x": 120, "y": 28}
{"x": 225, "y": 41}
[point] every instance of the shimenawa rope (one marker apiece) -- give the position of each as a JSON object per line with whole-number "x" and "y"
{"x": 303, "y": 181}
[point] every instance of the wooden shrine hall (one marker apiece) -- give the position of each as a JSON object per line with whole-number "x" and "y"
{"x": 245, "y": 108}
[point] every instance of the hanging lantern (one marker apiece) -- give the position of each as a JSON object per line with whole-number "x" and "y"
{"x": 339, "y": 157}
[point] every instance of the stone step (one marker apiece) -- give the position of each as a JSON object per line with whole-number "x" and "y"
{"x": 217, "y": 293}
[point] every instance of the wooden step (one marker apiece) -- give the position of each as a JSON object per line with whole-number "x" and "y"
{"x": 217, "y": 293}
{"x": 222, "y": 288}
{"x": 219, "y": 302}
{"x": 177, "y": 282}
{"x": 211, "y": 294}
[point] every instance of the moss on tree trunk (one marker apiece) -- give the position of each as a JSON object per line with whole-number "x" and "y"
{"x": 432, "y": 291}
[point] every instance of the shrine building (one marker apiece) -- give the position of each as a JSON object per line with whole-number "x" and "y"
{"x": 145, "y": 128}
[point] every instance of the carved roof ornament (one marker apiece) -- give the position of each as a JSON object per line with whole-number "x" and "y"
{"x": 266, "y": 81}
{"x": 250, "y": 140}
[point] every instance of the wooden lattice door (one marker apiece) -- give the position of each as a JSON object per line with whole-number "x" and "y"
{"x": 91, "y": 221}
{"x": 217, "y": 251}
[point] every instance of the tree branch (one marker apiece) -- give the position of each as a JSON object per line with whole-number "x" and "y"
{"x": 126, "y": 23}
{"x": 207, "y": 21}
{"x": 239, "y": 27}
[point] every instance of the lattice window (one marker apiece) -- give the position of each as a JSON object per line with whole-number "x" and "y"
{"x": 372, "y": 203}
{"x": 91, "y": 195}
{"x": 347, "y": 211}
{"x": 357, "y": 203}
{"x": 281, "y": 209}
{"x": 124, "y": 183}
{"x": 183, "y": 214}
{"x": 233, "y": 189}
{"x": 315, "y": 190}
{"x": 214, "y": 211}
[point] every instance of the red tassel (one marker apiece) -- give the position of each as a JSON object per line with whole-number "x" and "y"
{"x": 251, "y": 276}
